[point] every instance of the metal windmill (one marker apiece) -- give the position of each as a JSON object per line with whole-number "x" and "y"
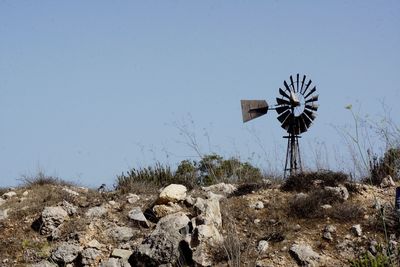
{"x": 296, "y": 107}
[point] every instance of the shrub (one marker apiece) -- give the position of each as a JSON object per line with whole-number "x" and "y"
{"x": 303, "y": 182}
{"x": 309, "y": 206}
{"x": 367, "y": 260}
{"x": 345, "y": 212}
{"x": 381, "y": 167}
{"x": 41, "y": 179}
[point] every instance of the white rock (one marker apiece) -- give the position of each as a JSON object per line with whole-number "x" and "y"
{"x": 305, "y": 255}
{"x": 257, "y": 221}
{"x": 132, "y": 198}
{"x": 387, "y": 182}
{"x": 120, "y": 233}
{"x": 356, "y": 229}
{"x": 25, "y": 193}
{"x": 52, "y": 217}
{"x": 262, "y": 246}
{"x": 136, "y": 214}
{"x": 121, "y": 253}
{"x": 326, "y": 206}
{"x": 65, "y": 253}
{"x": 258, "y": 205}
{"x": 95, "y": 244}
{"x": 96, "y": 212}
{"x": 9, "y": 194}
{"x": 3, "y": 214}
{"x": 340, "y": 191}
{"x": 209, "y": 211}
{"x": 220, "y": 188}
{"x": 71, "y": 192}
{"x": 172, "y": 193}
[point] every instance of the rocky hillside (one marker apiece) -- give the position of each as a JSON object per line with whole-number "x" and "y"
{"x": 267, "y": 224}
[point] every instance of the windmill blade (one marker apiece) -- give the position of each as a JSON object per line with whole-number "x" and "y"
{"x": 303, "y": 124}
{"x": 302, "y": 84}
{"x": 307, "y": 85}
{"x": 252, "y": 109}
{"x": 282, "y": 109}
{"x": 312, "y": 91}
{"x": 288, "y": 121}
{"x": 312, "y": 99}
{"x": 286, "y": 86}
{"x": 297, "y": 83}
{"x": 281, "y": 101}
{"x": 292, "y": 83}
{"x": 284, "y": 116}
{"x": 312, "y": 107}
{"x": 307, "y": 121}
{"x": 310, "y": 114}
{"x": 283, "y": 93}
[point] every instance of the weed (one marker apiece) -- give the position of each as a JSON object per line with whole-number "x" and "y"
{"x": 41, "y": 179}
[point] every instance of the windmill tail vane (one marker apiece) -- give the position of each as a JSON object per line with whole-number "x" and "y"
{"x": 296, "y": 106}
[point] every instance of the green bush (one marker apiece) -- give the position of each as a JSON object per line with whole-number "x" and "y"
{"x": 209, "y": 170}
{"x": 367, "y": 260}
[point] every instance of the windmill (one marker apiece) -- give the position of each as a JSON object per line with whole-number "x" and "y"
{"x": 296, "y": 106}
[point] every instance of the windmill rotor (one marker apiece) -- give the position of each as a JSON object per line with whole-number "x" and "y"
{"x": 296, "y": 106}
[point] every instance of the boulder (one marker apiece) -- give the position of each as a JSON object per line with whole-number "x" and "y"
{"x": 96, "y": 212}
{"x": 305, "y": 255}
{"x": 137, "y": 215}
{"x": 120, "y": 233}
{"x": 52, "y": 218}
{"x": 221, "y": 188}
{"x": 65, "y": 253}
{"x": 164, "y": 243}
{"x": 172, "y": 193}
{"x": 340, "y": 191}
{"x": 204, "y": 240}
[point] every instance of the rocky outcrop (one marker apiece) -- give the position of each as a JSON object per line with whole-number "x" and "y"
{"x": 52, "y": 218}
{"x": 65, "y": 253}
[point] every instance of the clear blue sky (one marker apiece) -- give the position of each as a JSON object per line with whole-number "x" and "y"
{"x": 89, "y": 89}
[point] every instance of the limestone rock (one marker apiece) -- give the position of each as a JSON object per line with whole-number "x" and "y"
{"x": 262, "y": 246}
{"x": 91, "y": 256}
{"x": 69, "y": 208}
{"x": 132, "y": 198}
{"x": 258, "y": 205}
{"x": 387, "y": 182}
{"x": 69, "y": 191}
{"x": 3, "y": 214}
{"x": 65, "y": 253}
{"x": 172, "y": 193}
{"x": 94, "y": 244}
{"x": 9, "y": 194}
{"x": 164, "y": 210}
{"x": 340, "y": 191}
{"x": 96, "y": 212}
{"x": 52, "y": 218}
{"x": 164, "y": 243}
{"x": 137, "y": 215}
{"x": 121, "y": 253}
{"x": 221, "y": 188}
{"x": 114, "y": 262}
{"x": 208, "y": 211}
{"x": 121, "y": 233}
{"x": 305, "y": 255}
{"x": 356, "y": 229}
